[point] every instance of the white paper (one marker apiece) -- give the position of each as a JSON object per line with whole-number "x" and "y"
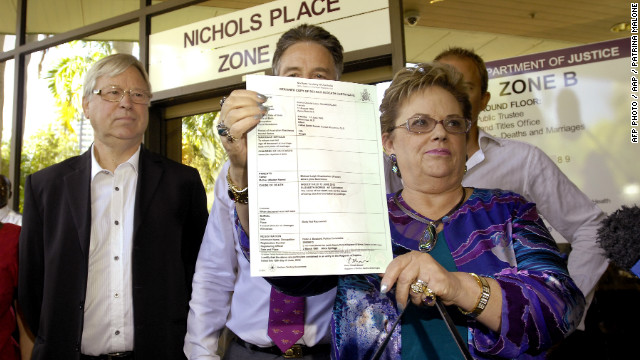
{"x": 317, "y": 199}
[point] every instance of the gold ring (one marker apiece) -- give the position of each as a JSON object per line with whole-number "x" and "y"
{"x": 418, "y": 287}
{"x": 230, "y": 138}
{"x": 430, "y": 297}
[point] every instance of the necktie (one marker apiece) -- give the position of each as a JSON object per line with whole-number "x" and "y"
{"x": 286, "y": 319}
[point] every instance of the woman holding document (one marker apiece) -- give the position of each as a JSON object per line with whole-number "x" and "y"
{"x": 485, "y": 254}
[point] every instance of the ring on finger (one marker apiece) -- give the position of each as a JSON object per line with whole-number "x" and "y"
{"x": 223, "y": 130}
{"x": 430, "y": 296}
{"x": 418, "y": 287}
{"x": 230, "y": 138}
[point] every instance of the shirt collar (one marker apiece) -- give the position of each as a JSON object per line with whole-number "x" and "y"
{"x": 483, "y": 140}
{"x": 4, "y": 211}
{"x": 96, "y": 168}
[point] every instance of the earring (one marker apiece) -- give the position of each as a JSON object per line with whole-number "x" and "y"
{"x": 394, "y": 167}
{"x": 466, "y": 158}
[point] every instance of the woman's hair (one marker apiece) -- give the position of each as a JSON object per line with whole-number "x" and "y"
{"x": 312, "y": 33}
{"x": 110, "y": 66}
{"x": 411, "y": 80}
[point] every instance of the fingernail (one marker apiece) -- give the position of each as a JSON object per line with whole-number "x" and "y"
{"x": 384, "y": 288}
{"x": 262, "y": 97}
{"x": 400, "y": 307}
{"x": 258, "y": 116}
{"x": 263, "y": 108}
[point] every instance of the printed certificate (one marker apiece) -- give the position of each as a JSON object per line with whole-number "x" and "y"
{"x": 317, "y": 199}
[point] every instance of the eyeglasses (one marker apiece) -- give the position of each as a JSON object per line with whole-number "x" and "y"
{"x": 421, "y": 123}
{"x": 115, "y": 94}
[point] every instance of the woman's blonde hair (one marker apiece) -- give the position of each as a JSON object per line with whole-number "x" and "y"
{"x": 410, "y": 80}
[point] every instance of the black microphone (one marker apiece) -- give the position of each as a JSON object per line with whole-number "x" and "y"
{"x": 619, "y": 236}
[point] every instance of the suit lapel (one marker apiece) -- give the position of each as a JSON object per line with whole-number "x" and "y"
{"x": 150, "y": 172}
{"x": 78, "y": 195}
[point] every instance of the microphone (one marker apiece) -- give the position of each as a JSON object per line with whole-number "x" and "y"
{"x": 619, "y": 236}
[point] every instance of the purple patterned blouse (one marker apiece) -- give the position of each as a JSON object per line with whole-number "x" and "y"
{"x": 495, "y": 234}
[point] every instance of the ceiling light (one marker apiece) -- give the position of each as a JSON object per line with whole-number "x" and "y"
{"x": 620, "y": 27}
{"x": 631, "y": 189}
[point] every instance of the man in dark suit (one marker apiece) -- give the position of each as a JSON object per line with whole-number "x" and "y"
{"x": 110, "y": 238}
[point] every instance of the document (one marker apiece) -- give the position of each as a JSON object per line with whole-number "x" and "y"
{"x": 317, "y": 199}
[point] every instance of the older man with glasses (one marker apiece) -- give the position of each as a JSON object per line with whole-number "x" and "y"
{"x": 110, "y": 238}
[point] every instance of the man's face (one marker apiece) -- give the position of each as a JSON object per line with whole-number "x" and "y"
{"x": 122, "y": 121}
{"x": 5, "y": 193}
{"x": 308, "y": 60}
{"x": 472, "y": 83}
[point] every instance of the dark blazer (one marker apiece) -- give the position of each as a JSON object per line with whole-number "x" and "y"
{"x": 170, "y": 216}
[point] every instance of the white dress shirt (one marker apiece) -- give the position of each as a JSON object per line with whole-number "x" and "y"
{"x": 225, "y": 294}
{"x": 108, "y": 307}
{"x": 9, "y": 216}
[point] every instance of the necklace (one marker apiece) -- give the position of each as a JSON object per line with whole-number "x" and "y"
{"x": 428, "y": 239}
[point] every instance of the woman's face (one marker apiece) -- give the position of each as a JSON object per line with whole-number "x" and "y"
{"x": 433, "y": 155}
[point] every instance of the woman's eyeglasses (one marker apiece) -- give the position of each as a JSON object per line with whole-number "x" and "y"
{"x": 421, "y": 123}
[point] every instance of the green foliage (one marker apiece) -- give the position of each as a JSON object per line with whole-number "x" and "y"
{"x": 65, "y": 83}
{"x": 59, "y": 141}
{"x": 66, "y": 78}
{"x": 5, "y": 157}
{"x": 202, "y": 149}
{"x": 47, "y": 147}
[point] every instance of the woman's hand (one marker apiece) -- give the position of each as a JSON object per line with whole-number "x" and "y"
{"x": 452, "y": 288}
{"x": 241, "y": 111}
{"x": 407, "y": 269}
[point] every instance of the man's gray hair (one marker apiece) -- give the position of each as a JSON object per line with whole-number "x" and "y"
{"x": 110, "y": 66}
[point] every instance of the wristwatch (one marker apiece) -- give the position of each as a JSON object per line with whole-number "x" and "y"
{"x": 483, "y": 299}
{"x": 237, "y": 195}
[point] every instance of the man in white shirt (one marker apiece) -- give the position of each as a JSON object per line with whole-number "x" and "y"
{"x": 110, "y": 237}
{"x": 523, "y": 168}
{"x": 7, "y": 215}
{"x": 224, "y": 293}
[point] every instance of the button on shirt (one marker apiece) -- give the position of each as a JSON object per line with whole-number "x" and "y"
{"x": 108, "y": 308}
